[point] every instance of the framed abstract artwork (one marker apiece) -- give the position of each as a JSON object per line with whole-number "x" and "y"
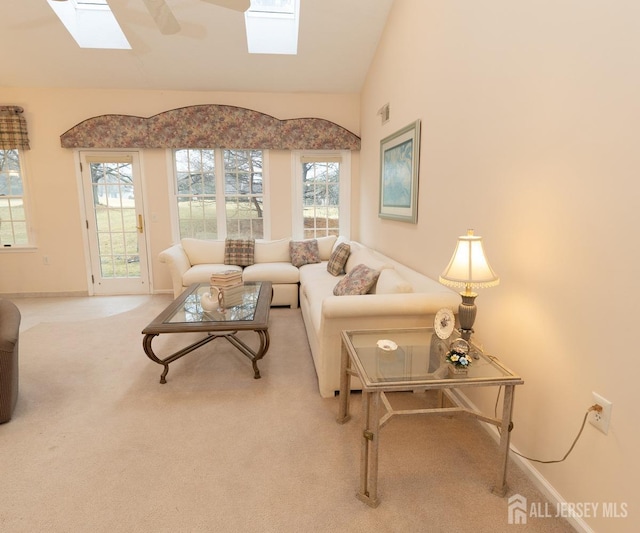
{"x": 399, "y": 162}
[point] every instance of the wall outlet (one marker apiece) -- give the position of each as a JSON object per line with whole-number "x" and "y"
{"x": 601, "y": 419}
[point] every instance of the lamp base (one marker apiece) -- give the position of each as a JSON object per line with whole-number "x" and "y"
{"x": 467, "y": 314}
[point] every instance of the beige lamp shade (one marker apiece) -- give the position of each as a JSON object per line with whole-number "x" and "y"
{"x": 469, "y": 267}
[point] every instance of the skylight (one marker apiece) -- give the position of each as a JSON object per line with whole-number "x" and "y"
{"x": 91, "y": 23}
{"x": 272, "y": 26}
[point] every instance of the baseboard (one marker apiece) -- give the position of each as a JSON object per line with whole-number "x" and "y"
{"x": 539, "y": 481}
{"x": 67, "y": 294}
{"x": 16, "y": 295}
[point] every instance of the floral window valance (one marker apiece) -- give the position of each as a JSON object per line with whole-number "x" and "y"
{"x": 209, "y": 126}
{"x": 13, "y": 128}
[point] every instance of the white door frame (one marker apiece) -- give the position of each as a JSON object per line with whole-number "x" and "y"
{"x": 88, "y": 226}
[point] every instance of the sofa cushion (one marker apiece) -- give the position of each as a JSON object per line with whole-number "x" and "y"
{"x": 390, "y": 282}
{"x": 325, "y": 246}
{"x": 339, "y": 240}
{"x": 361, "y": 255}
{"x": 358, "y": 281}
{"x": 338, "y": 259}
{"x": 304, "y": 252}
{"x": 239, "y": 251}
{"x": 278, "y": 272}
{"x": 202, "y": 251}
{"x": 202, "y": 273}
{"x": 316, "y": 273}
{"x": 272, "y": 251}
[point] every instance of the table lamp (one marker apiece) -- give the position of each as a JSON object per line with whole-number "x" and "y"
{"x": 470, "y": 269}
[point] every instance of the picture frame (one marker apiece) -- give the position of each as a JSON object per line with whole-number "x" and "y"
{"x": 399, "y": 168}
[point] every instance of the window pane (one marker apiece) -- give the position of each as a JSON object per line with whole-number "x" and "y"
{"x": 209, "y": 183}
{"x": 321, "y": 198}
{"x": 15, "y": 185}
{"x": 13, "y": 222}
{"x": 115, "y": 220}
{"x": 333, "y": 195}
{"x": 333, "y": 172}
{"x": 17, "y": 210}
{"x": 20, "y": 232}
{"x": 197, "y": 217}
{"x": 196, "y": 188}
{"x": 256, "y": 184}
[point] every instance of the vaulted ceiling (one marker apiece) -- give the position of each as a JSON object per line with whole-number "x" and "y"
{"x": 337, "y": 40}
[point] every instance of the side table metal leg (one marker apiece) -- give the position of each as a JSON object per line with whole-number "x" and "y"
{"x": 345, "y": 387}
{"x": 369, "y": 450}
{"x": 500, "y": 487}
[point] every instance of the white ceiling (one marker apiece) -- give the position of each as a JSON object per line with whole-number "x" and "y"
{"x": 337, "y": 40}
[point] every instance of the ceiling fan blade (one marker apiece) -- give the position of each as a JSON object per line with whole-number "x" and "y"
{"x": 236, "y": 5}
{"x": 163, "y": 16}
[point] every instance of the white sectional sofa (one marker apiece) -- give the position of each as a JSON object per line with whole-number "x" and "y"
{"x": 194, "y": 260}
{"x": 401, "y": 296}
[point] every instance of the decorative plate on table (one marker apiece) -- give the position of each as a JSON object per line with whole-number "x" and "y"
{"x": 444, "y": 323}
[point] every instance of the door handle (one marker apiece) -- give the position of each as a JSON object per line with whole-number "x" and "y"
{"x": 140, "y": 227}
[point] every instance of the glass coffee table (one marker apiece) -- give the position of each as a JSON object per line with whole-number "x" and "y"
{"x": 414, "y": 360}
{"x": 185, "y": 315}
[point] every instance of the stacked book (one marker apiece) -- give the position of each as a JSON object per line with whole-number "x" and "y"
{"x": 226, "y": 279}
{"x": 229, "y": 283}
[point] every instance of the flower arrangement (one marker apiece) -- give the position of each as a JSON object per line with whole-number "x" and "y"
{"x": 458, "y": 355}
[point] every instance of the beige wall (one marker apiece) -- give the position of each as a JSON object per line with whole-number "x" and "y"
{"x": 530, "y": 120}
{"x": 529, "y": 135}
{"x": 53, "y": 182}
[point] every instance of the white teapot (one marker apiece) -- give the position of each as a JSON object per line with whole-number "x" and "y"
{"x": 212, "y": 300}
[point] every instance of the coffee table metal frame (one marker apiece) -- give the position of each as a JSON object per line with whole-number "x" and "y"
{"x": 373, "y": 395}
{"x": 226, "y": 329}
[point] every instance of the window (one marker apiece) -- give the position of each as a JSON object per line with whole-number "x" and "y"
{"x": 91, "y": 23}
{"x": 13, "y": 216}
{"x": 272, "y": 26}
{"x": 322, "y": 194}
{"x": 215, "y": 205}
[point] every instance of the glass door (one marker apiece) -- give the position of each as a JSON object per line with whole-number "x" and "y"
{"x": 115, "y": 222}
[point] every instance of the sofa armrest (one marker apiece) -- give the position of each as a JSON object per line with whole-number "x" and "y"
{"x": 368, "y": 305}
{"x": 178, "y": 262}
{"x": 369, "y": 311}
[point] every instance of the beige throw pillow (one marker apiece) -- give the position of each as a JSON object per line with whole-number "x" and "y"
{"x": 338, "y": 259}
{"x": 358, "y": 281}
{"x": 304, "y": 252}
{"x": 239, "y": 252}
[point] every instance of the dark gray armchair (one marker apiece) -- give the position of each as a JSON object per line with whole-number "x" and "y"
{"x": 9, "y": 334}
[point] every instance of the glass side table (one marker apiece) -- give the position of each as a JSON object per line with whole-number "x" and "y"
{"x": 413, "y": 359}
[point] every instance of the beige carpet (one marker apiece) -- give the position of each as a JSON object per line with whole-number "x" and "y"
{"x": 96, "y": 444}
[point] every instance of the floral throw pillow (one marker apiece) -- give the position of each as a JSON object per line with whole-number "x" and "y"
{"x": 338, "y": 259}
{"x": 357, "y": 281}
{"x": 304, "y": 252}
{"x": 239, "y": 251}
